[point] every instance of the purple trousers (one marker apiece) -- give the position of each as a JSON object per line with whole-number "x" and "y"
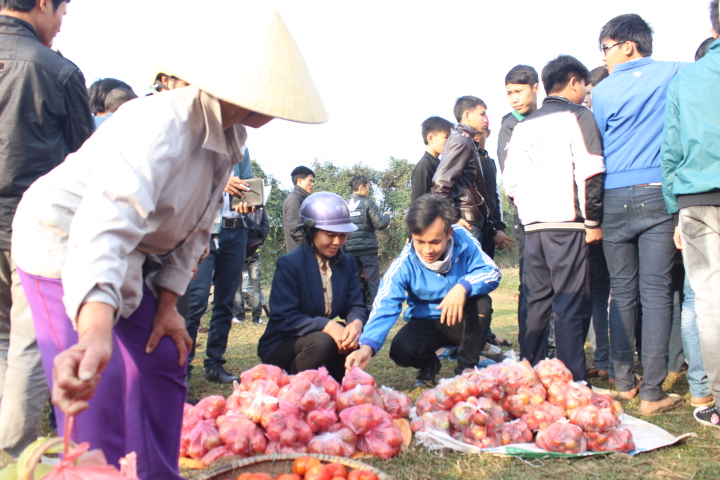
{"x": 138, "y": 404}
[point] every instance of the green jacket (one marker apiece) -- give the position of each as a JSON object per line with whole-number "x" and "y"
{"x": 691, "y": 137}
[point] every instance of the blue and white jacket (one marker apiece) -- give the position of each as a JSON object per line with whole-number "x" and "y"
{"x": 408, "y": 279}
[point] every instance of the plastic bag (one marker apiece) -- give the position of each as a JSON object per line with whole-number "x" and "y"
{"x": 200, "y": 439}
{"x": 473, "y": 411}
{"x": 515, "y": 432}
{"x": 305, "y": 395}
{"x": 384, "y": 441}
{"x": 321, "y": 420}
{"x": 542, "y": 416}
{"x": 457, "y": 389}
{"x": 523, "y": 400}
{"x": 237, "y": 433}
{"x": 478, "y": 436}
{"x": 359, "y": 395}
{"x": 287, "y": 426}
{"x": 569, "y": 395}
{"x": 274, "y": 446}
{"x": 258, "y": 399}
{"x": 487, "y": 382}
{"x": 605, "y": 401}
{"x": 439, "y": 421}
{"x": 613, "y": 440}
{"x": 514, "y": 376}
{"x": 562, "y": 437}
{"x": 364, "y": 417}
{"x": 355, "y": 377}
{"x": 593, "y": 418}
{"x": 321, "y": 378}
{"x": 232, "y": 404}
{"x": 433, "y": 400}
{"x": 397, "y": 404}
{"x": 551, "y": 371}
{"x": 264, "y": 371}
{"x": 339, "y": 440}
{"x": 216, "y": 454}
{"x": 211, "y": 407}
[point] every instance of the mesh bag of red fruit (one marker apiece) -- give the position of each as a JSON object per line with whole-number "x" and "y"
{"x": 338, "y": 440}
{"x": 200, "y": 439}
{"x": 487, "y": 382}
{"x": 562, "y": 437}
{"x": 551, "y": 371}
{"x": 384, "y": 440}
{"x": 569, "y": 395}
{"x": 364, "y": 417}
{"x": 473, "y": 411}
{"x": 605, "y": 401}
{"x": 593, "y": 418}
{"x": 356, "y": 377}
{"x": 523, "y": 400}
{"x": 542, "y": 416}
{"x": 613, "y": 440}
{"x": 240, "y": 434}
{"x": 477, "y": 436}
{"x": 457, "y": 389}
{"x": 397, "y": 404}
{"x": 286, "y": 425}
{"x": 321, "y": 378}
{"x": 210, "y": 407}
{"x": 305, "y": 394}
{"x": 358, "y": 395}
{"x": 438, "y": 421}
{"x": 263, "y": 371}
{"x": 322, "y": 419}
{"x": 258, "y": 399}
{"x": 515, "y": 432}
{"x": 514, "y": 376}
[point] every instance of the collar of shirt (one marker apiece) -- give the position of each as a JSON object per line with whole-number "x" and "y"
{"x": 632, "y": 64}
{"x": 326, "y": 277}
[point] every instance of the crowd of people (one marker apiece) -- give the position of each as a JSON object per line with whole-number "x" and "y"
{"x": 114, "y": 231}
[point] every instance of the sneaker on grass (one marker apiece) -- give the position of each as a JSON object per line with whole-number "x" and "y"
{"x": 707, "y": 416}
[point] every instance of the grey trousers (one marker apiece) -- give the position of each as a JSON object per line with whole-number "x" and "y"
{"x": 700, "y": 229}
{"x": 23, "y": 386}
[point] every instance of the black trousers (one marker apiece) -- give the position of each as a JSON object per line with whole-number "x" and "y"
{"x": 416, "y": 342}
{"x": 556, "y": 274}
{"x": 316, "y": 349}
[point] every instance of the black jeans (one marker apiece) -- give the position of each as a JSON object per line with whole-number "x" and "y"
{"x": 371, "y": 266}
{"x": 416, "y": 342}
{"x": 316, "y": 349}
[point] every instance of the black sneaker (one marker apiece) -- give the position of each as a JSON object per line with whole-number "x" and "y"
{"x": 707, "y": 416}
{"x": 220, "y": 375}
{"x": 426, "y": 375}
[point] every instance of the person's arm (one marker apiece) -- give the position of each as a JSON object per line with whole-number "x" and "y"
{"x": 452, "y": 165}
{"x": 378, "y": 220}
{"x": 671, "y": 151}
{"x": 483, "y": 275}
{"x": 589, "y": 166}
{"x": 419, "y": 181}
{"x": 286, "y": 302}
{"x": 291, "y": 217}
{"x": 79, "y": 124}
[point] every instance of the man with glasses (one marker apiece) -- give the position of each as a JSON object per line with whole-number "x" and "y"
{"x": 637, "y": 229}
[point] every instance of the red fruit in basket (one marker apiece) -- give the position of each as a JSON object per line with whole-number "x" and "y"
{"x": 302, "y": 464}
{"x": 288, "y": 476}
{"x": 318, "y": 472}
{"x": 362, "y": 475}
{"x": 336, "y": 470}
{"x": 258, "y": 476}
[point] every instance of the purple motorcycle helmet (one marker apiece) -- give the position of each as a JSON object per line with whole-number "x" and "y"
{"x": 326, "y": 211}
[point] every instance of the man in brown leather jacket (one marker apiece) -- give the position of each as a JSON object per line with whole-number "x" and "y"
{"x": 459, "y": 175}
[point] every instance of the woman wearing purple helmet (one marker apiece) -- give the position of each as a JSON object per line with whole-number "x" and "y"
{"x": 313, "y": 285}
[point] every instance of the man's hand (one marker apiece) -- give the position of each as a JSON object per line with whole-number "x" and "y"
{"x": 236, "y": 187}
{"x": 453, "y": 306}
{"x": 335, "y": 330}
{"x": 77, "y": 370}
{"x": 501, "y": 241}
{"x": 167, "y": 321}
{"x": 463, "y": 223}
{"x": 593, "y": 235}
{"x": 359, "y": 358}
{"x": 677, "y": 238}
{"x": 351, "y": 335}
{"x": 205, "y": 253}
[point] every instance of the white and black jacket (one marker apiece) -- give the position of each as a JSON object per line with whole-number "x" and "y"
{"x": 554, "y": 170}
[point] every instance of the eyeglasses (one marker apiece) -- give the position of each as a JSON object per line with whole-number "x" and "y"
{"x": 605, "y": 48}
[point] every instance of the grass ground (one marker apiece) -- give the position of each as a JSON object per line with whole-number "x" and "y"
{"x": 696, "y": 458}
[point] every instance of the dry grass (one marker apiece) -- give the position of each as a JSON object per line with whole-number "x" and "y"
{"x": 696, "y": 458}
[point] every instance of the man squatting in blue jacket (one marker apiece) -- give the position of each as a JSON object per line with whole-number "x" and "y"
{"x": 445, "y": 277}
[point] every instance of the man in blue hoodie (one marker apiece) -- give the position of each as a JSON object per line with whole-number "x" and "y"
{"x": 445, "y": 277}
{"x": 691, "y": 185}
{"x": 637, "y": 229}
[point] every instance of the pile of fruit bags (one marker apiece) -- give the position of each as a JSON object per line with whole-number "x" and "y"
{"x": 510, "y": 402}
{"x": 271, "y": 412}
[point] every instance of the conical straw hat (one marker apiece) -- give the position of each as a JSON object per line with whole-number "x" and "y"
{"x": 241, "y": 53}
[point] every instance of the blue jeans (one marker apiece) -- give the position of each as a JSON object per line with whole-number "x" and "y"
{"x": 600, "y": 286}
{"x": 222, "y": 268}
{"x": 639, "y": 249}
{"x": 696, "y": 376}
{"x": 700, "y": 228}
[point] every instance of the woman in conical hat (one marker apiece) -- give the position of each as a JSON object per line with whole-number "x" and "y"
{"x": 107, "y": 241}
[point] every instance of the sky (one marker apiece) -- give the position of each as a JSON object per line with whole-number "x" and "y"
{"x": 382, "y": 67}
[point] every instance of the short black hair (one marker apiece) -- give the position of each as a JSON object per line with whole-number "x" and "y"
{"x": 522, "y": 75}
{"x": 357, "y": 180}
{"x": 117, "y": 97}
{"x": 703, "y": 48}
{"x": 558, "y": 72}
{"x": 98, "y": 92}
{"x": 629, "y": 28}
{"x": 426, "y": 209}
{"x": 26, "y": 5}
{"x": 435, "y": 124}
{"x": 714, "y": 18}
{"x": 597, "y": 75}
{"x": 464, "y": 104}
{"x": 300, "y": 173}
